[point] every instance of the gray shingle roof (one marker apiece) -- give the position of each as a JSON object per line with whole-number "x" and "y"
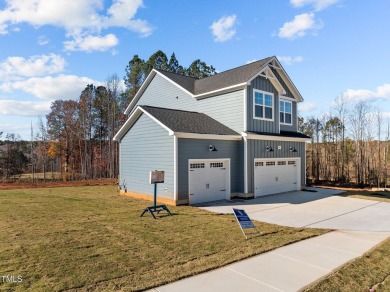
{"x": 220, "y": 80}
{"x": 188, "y": 122}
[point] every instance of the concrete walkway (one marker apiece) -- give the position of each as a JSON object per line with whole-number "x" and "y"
{"x": 289, "y": 268}
{"x": 360, "y": 224}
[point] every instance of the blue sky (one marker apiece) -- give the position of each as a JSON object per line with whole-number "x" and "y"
{"x": 52, "y": 49}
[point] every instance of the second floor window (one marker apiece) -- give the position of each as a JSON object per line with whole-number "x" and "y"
{"x": 263, "y": 105}
{"x": 285, "y": 112}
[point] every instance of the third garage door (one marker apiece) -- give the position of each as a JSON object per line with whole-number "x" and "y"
{"x": 274, "y": 176}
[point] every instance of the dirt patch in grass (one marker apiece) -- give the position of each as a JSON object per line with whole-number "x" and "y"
{"x": 55, "y": 184}
{"x": 371, "y": 271}
{"x": 368, "y": 195}
{"x": 90, "y": 238}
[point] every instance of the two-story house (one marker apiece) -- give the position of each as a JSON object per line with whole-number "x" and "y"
{"x": 227, "y": 135}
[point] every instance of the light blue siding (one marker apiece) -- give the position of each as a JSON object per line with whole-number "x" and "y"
{"x": 257, "y": 149}
{"x": 147, "y": 146}
{"x": 227, "y": 108}
{"x": 199, "y": 149}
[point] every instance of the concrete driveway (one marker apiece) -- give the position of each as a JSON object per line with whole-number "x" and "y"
{"x": 317, "y": 209}
{"x": 362, "y": 225}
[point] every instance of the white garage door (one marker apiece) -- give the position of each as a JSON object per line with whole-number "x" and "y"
{"x": 208, "y": 181}
{"x": 276, "y": 176}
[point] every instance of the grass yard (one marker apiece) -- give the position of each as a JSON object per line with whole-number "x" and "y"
{"x": 368, "y": 195}
{"x": 369, "y": 271}
{"x": 90, "y": 238}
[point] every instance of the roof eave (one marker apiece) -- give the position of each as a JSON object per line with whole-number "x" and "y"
{"x": 221, "y": 90}
{"x": 287, "y": 80}
{"x": 273, "y": 138}
{"x": 140, "y": 91}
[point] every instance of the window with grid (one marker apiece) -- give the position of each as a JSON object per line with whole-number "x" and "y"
{"x": 285, "y": 112}
{"x": 263, "y": 105}
{"x": 281, "y": 162}
{"x": 270, "y": 163}
{"x": 258, "y": 163}
{"x": 291, "y": 163}
{"x": 216, "y": 164}
{"x": 197, "y": 165}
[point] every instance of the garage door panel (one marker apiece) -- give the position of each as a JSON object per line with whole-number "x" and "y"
{"x": 208, "y": 182}
{"x": 275, "y": 176}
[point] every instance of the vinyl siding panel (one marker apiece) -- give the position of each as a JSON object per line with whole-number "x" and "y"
{"x": 227, "y": 108}
{"x": 147, "y": 146}
{"x": 256, "y": 149}
{"x": 264, "y": 126}
{"x": 199, "y": 149}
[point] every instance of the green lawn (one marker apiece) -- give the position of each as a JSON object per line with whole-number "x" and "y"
{"x": 369, "y": 271}
{"x": 90, "y": 238}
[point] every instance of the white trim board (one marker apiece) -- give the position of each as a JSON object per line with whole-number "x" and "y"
{"x": 205, "y": 136}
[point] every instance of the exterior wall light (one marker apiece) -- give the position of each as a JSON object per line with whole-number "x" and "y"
{"x": 212, "y": 148}
{"x": 292, "y": 149}
{"x": 269, "y": 149}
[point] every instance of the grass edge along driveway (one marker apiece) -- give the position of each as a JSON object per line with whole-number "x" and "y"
{"x": 372, "y": 270}
{"x": 90, "y": 238}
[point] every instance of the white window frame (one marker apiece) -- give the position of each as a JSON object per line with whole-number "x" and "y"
{"x": 284, "y": 113}
{"x": 254, "y": 105}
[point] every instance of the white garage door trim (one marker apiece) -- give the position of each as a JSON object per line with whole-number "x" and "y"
{"x": 226, "y": 161}
{"x": 265, "y": 160}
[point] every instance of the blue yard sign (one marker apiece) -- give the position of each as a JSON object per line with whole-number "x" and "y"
{"x": 244, "y": 221}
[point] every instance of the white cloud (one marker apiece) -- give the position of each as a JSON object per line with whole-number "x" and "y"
{"x": 307, "y": 106}
{"x": 16, "y": 67}
{"x": 24, "y": 108}
{"x": 381, "y": 93}
{"x": 290, "y": 60}
{"x": 79, "y": 18}
{"x": 52, "y": 88}
{"x": 42, "y": 40}
{"x": 251, "y": 61}
{"x": 91, "y": 43}
{"x": 298, "y": 27}
{"x": 317, "y": 4}
{"x": 223, "y": 29}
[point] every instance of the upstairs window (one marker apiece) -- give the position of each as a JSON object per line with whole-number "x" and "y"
{"x": 285, "y": 112}
{"x": 263, "y": 105}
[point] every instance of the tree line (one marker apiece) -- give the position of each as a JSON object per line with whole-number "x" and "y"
{"x": 75, "y": 140}
{"x": 349, "y": 145}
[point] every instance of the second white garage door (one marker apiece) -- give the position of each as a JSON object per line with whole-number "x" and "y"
{"x": 208, "y": 180}
{"x": 274, "y": 176}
